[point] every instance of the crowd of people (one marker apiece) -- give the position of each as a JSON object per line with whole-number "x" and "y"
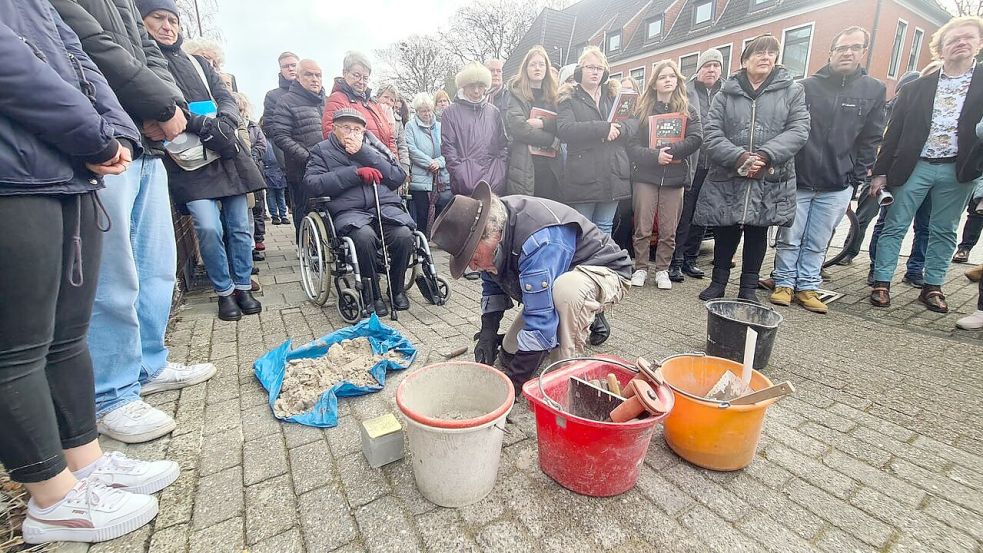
{"x": 135, "y": 120}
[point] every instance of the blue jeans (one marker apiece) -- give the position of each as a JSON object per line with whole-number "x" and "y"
{"x": 276, "y": 202}
{"x": 217, "y": 249}
{"x": 916, "y": 258}
{"x": 801, "y": 249}
{"x": 949, "y": 198}
{"x": 600, "y": 213}
{"x": 136, "y": 284}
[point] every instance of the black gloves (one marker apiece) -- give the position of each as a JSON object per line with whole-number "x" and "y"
{"x": 486, "y": 350}
{"x": 219, "y": 135}
{"x": 522, "y": 366}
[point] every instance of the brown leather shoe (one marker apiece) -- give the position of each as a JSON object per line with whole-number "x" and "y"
{"x": 975, "y": 274}
{"x": 880, "y": 294}
{"x": 934, "y": 299}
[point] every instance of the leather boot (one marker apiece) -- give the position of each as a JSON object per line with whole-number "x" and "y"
{"x": 749, "y": 287}
{"x": 600, "y": 330}
{"x": 718, "y": 285}
{"x": 247, "y": 303}
{"x": 228, "y": 309}
{"x": 379, "y": 305}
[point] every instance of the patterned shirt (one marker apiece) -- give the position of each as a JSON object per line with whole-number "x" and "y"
{"x": 949, "y": 98}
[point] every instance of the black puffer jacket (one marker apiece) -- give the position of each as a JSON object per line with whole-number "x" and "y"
{"x": 271, "y": 101}
{"x": 847, "y": 123}
{"x": 113, "y": 36}
{"x": 776, "y": 123}
{"x": 596, "y": 170}
{"x": 296, "y": 126}
{"x": 701, "y": 96}
{"x": 645, "y": 160}
{"x": 222, "y": 177}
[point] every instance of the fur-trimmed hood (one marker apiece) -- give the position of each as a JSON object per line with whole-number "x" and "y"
{"x": 473, "y": 72}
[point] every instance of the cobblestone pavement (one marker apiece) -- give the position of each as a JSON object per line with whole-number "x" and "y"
{"x": 880, "y": 448}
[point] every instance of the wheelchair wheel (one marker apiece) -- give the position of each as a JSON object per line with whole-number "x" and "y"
{"x": 443, "y": 289}
{"x": 316, "y": 259}
{"x": 349, "y": 306}
{"x": 412, "y": 272}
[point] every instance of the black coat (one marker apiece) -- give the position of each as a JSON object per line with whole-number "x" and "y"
{"x": 270, "y": 102}
{"x": 112, "y": 34}
{"x": 701, "y": 96}
{"x": 846, "y": 117}
{"x": 522, "y": 170}
{"x": 222, "y": 177}
{"x": 596, "y": 170}
{"x": 645, "y": 160}
{"x": 911, "y": 120}
{"x": 296, "y": 126}
{"x": 331, "y": 172}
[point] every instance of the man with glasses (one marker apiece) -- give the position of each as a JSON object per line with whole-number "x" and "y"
{"x": 344, "y": 167}
{"x": 846, "y": 108}
{"x": 296, "y": 128}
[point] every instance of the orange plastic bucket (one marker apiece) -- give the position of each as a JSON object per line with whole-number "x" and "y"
{"x": 709, "y": 433}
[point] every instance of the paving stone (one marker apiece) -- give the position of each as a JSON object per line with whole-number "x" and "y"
{"x": 170, "y": 540}
{"x": 258, "y": 422}
{"x": 938, "y": 485}
{"x": 220, "y": 451}
{"x": 716, "y": 532}
{"x": 714, "y": 496}
{"x": 219, "y": 498}
{"x": 177, "y": 501}
{"x": 298, "y": 434}
{"x": 835, "y": 540}
{"x": 776, "y": 505}
{"x": 264, "y": 458}
{"x": 663, "y": 493}
{"x": 811, "y": 470}
{"x": 326, "y": 520}
{"x": 344, "y": 439}
{"x": 222, "y": 417}
{"x": 287, "y": 542}
{"x": 506, "y": 537}
{"x": 839, "y": 513}
{"x": 185, "y": 449}
{"x": 270, "y": 509}
{"x": 386, "y": 526}
{"x": 955, "y": 516}
{"x": 219, "y": 538}
{"x": 773, "y": 534}
{"x": 361, "y": 482}
{"x": 871, "y": 476}
{"x": 311, "y": 466}
{"x": 400, "y": 474}
{"x": 134, "y": 542}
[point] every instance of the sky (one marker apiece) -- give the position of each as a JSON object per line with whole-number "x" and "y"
{"x": 255, "y": 32}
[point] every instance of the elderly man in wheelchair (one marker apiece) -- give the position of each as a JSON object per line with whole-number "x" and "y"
{"x": 344, "y": 168}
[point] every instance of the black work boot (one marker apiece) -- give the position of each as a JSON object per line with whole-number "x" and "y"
{"x": 228, "y": 309}
{"x": 676, "y": 274}
{"x": 718, "y": 285}
{"x": 749, "y": 287}
{"x": 691, "y": 270}
{"x": 379, "y": 305}
{"x": 246, "y": 302}
{"x": 600, "y": 330}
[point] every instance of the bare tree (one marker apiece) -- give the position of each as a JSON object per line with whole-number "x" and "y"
{"x": 198, "y": 18}
{"x": 488, "y": 28}
{"x": 418, "y": 63}
{"x": 964, "y": 7}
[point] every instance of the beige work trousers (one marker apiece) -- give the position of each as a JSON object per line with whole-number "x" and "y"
{"x": 578, "y": 295}
{"x": 647, "y": 200}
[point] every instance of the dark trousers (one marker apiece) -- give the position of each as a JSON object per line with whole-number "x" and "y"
{"x": 689, "y": 236}
{"x": 47, "y": 393}
{"x": 259, "y": 216}
{"x": 419, "y": 206}
{"x": 916, "y": 259}
{"x": 296, "y": 197}
{"x": 973, "y": 227}
{"x": 399, "y": 242}
{"x": 726, "y": 240}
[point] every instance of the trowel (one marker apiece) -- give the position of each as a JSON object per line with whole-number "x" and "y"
{"x": 730, "y": 386}
{"x": 591, "y": 402}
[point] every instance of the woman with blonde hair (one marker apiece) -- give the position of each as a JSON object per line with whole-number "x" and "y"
{"x": 661, "y": 171}
{"x": 533, "y": 174}
{"x": 441, "y": 100}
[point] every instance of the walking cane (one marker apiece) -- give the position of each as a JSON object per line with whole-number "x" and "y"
{"x": 385, "y": 253}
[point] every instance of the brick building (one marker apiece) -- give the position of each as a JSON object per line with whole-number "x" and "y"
{"x": 635, "y": 34}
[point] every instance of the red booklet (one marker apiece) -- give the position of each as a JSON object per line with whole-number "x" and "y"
{"x": 624, "y": 106}
{"x": 666, "y": 129}
{"x": 545, "y": 114}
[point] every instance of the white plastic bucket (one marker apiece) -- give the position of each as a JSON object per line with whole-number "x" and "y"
{"x": 455, "y": 414}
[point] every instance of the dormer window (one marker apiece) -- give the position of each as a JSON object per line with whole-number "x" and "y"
{"x": 653, "y": 28}
{"x": 614, "y": 42}
{"x": 702, "y": 12}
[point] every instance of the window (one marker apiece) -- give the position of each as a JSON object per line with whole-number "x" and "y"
{"x": 614, "y": 77}
{"x": 639, "y": 76}
{"x": 795, "y": 51}
{"x": 687, "y": 64}
{"x": 916, "y": 46}
{"x": 892, "y": 69}
{"x": 614, "y": 42}
{"x": 576, "y": 51}
{"x": 702, "y": 12}
{"x": 755, "y": 4}
{"x": 653, "y": 28}
{"x": 725, "y": 66}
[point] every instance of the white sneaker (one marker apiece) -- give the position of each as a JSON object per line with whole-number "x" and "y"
{"x": 176, "y": 376}
{"x": 638, "y": 277}
{"x": 116, "y": 470}
{"x": 135, "y": 423}
{"x": 91, "y": 512}
{"x": 662, "y": 281}
{"x": 971, "y": 322}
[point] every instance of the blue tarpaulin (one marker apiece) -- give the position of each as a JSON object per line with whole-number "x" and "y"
{"x": 270, "y": 368}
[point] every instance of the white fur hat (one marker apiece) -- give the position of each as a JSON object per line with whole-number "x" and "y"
{"x": 472, "y": 73}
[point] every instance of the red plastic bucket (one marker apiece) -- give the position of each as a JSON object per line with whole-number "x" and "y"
{"x": 592, "y": 458}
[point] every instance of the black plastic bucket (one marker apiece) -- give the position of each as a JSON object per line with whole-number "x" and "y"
{"x": 727, "y": 324}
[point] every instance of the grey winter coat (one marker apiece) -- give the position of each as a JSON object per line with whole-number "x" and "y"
{"x": 522, "y": 173}
{"x": 775, "y": 124}
{"x": 596, "y": 170}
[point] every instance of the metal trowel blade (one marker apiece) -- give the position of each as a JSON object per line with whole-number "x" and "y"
{"x": 590, "y": 402}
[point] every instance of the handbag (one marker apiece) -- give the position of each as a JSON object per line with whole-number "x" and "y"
{"x": 187, "y": 150}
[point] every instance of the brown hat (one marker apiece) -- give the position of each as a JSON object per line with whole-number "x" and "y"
{"x": 459, "y": 228}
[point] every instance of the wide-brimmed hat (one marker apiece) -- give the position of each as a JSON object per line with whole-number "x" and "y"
{"x": 347, "y": 113}
{"x": 459, "y": 228}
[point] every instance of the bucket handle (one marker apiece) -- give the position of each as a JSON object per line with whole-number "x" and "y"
{"x": 553, "y": 403}
{"x": 720, "y": 404}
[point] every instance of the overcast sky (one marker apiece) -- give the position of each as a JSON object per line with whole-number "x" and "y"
{"x": 256, "y": 31}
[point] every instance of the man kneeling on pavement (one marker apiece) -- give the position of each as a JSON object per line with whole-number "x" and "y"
{"x": 543, "y": 254}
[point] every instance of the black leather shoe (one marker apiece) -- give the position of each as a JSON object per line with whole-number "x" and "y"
{"x": 380, "y": 307}
{"x": 915, "y": 280}
{"x": 246, "y": 302}
{"x": 228, "y": 309}
{"x": 401, "y": 302}
{"x": 692, "y": 271}
{"x": 600, "y": 330}
{"x": 675, "y": 274}
{"x": 259, "y": 256}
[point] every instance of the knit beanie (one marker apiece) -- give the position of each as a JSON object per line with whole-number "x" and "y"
{"x": 472, "y": 73}
{"x": 147, "y": 7}
{"x": 707, "y": 56}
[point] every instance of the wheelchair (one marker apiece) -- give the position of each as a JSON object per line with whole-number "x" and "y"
{"x": 328, "y": 260}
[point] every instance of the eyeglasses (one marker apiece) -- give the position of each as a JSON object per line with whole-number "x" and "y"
{"x": 765, "y": 53}
{"x": 595, "y": 68}
{"x": 359, "y": 77}
{"x": 348, "y": 129}
{"x": 849, "y": 48}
